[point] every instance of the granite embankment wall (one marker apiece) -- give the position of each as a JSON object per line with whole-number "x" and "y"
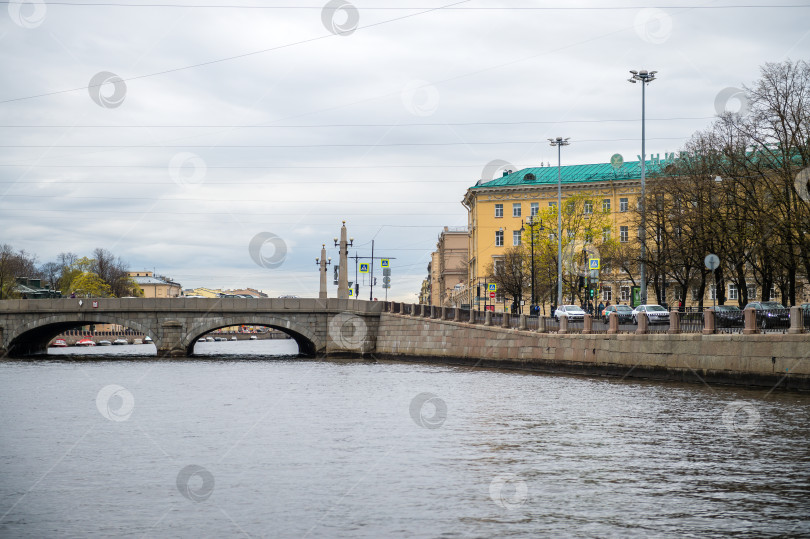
{"x": 765, "y": 360}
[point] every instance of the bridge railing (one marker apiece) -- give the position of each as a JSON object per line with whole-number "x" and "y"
{"x": 692, "y": 322}
{"x": 532, "y": 322}
{"x": 449, "y": 313}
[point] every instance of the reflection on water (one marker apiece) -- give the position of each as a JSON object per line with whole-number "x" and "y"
{"x": 243, "y": 348}
{"x": 237, "y": 445}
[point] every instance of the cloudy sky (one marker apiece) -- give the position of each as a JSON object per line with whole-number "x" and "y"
{"x": 173, "y": 134}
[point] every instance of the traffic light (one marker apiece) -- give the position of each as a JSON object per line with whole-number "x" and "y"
{"x": 581, "y": 281}
{"x": 357, "y": 290}
{"x": 592, "y": 292}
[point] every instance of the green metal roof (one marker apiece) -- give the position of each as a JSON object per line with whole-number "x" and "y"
{"x": 599, "y": 172}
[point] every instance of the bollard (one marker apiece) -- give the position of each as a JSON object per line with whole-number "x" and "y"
{"x": 522, "y": 324}
{"x": 587, "y": 326}
{"x": 563, "y": 325}
{"x": 643, "y": 324}
{"x": 750, "y": 321}
{"x": 488, "y": 318}
{"x": 472, "y": 315}
{"x": 796, "y": 320}
{"x": 674, "y": 322}
{"x": 444, "y": 313}
{"x": 457, "y": 314}
{"x": 709, "y": 322}
{"x": 506, "y": 320}
{"x": 613, "y": 323}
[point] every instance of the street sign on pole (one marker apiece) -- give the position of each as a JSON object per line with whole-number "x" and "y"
{"x": 492, "y": 295}
{"x": 593, "y": 263}
{"x": 364, "y": 267}
{"x": 386, "y": 280}
{"x": 493, "y": 288}
{"x": 384, "y": 263}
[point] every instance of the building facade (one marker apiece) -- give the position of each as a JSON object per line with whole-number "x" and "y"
{"x": 155, "y": 287}
{"x": 499, "y": 210}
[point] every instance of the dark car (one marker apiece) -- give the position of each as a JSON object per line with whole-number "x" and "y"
{"x": 770, "y": 314}
{"x": 624, "y": 312}
{"x": 728, "y": 316}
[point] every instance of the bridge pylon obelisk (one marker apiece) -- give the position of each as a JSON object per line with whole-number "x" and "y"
{"x": 322, "y": 263}
{"x": 343, "y": 275}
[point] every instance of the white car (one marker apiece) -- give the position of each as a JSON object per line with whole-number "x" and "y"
{"x": 655, "y": 314}
{"x": 571, "y": 311}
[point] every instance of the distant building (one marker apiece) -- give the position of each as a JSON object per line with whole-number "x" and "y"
{"x": 155, "y": 287}
{"x": 448, "y": 267}
{"x": 244, "y": 292}
{"x": 33, "y": 289}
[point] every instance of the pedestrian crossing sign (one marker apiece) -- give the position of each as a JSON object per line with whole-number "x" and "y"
{"x": 593, "y": 263}
{"x": 493, "y": 287}
{"x": 364, "y": 267}
{"x": 351, "y": 292}
{"x": 384, "y": 262}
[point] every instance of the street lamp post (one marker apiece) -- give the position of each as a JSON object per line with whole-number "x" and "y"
{"x": 559, "y": 142}
{"x": 532, "y": 223}
{"x": 645, "y": 78}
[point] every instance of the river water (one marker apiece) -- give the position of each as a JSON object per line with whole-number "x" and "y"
{"x": 233, "y": 444}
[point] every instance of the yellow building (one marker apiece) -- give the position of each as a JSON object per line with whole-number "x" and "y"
{"x": 155, "y": 287}
{"x": 498, "y": 209}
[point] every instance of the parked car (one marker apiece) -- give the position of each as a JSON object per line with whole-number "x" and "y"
{"x": 728, "y": 316}
{"x": 624, "y": 312}
{"x": 655, "y": 314}
{"x": 770, "y": 314}
{"x": 571, "y": 311}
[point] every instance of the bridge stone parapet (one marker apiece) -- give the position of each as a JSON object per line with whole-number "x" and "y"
{"x": 760, "y": 360}
{"x": 319, "y": 326}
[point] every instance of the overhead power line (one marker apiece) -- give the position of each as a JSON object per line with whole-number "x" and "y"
{"x": 306, "y": 126}
{"x": 284, "y": 146}
{"x": 413, "y": 8}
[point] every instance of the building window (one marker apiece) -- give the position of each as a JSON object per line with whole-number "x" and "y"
{"x": 516, "y": 237}
{"x": 535, "y": 208}
{"x": 552, "y": 204}
{"x": 571, "y": 234}
{"x": 552, "y": 237}
{"x": 752, "y": 292}
{"x": 624, "y": 235}
{"x": 695, "y": 293}
{"x": 499, "y": 238}
{"x": 606, "y": 205}
{"x": 712, "y": 292}
{"x": 498, "y": 267}
{"x": 588, "y": 236}
{"x": 516, "y": 212}
{"x": 606, "y": 234}
{"x": 733, "y": 292}
{"x": 623, "y": 205}
{"x": 607, "y": 294}
{"x": 498, "y": 210}
{"x": 772, "y": 296}
{"x": 588, "y": 207}
{"x": 625, "y": 293}
{"x": 677, "y": 294}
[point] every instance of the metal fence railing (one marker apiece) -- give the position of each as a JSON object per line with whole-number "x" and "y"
{"x": 532, "y": 323}
{"x": 692, "y": 322}
{"x": 773, "y": 320}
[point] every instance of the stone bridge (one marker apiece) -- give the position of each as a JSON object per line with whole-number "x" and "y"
{"x": 319, "y": 326}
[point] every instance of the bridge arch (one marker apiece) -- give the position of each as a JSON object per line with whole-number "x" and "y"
{"x": 307, "y": 340}
{"x": 33, "y": 337}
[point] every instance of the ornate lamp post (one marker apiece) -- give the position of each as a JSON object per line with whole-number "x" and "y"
{"x": 645, "y": 78}
{"x": 559, "y": 142}
{"x": 532, "y": 223}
